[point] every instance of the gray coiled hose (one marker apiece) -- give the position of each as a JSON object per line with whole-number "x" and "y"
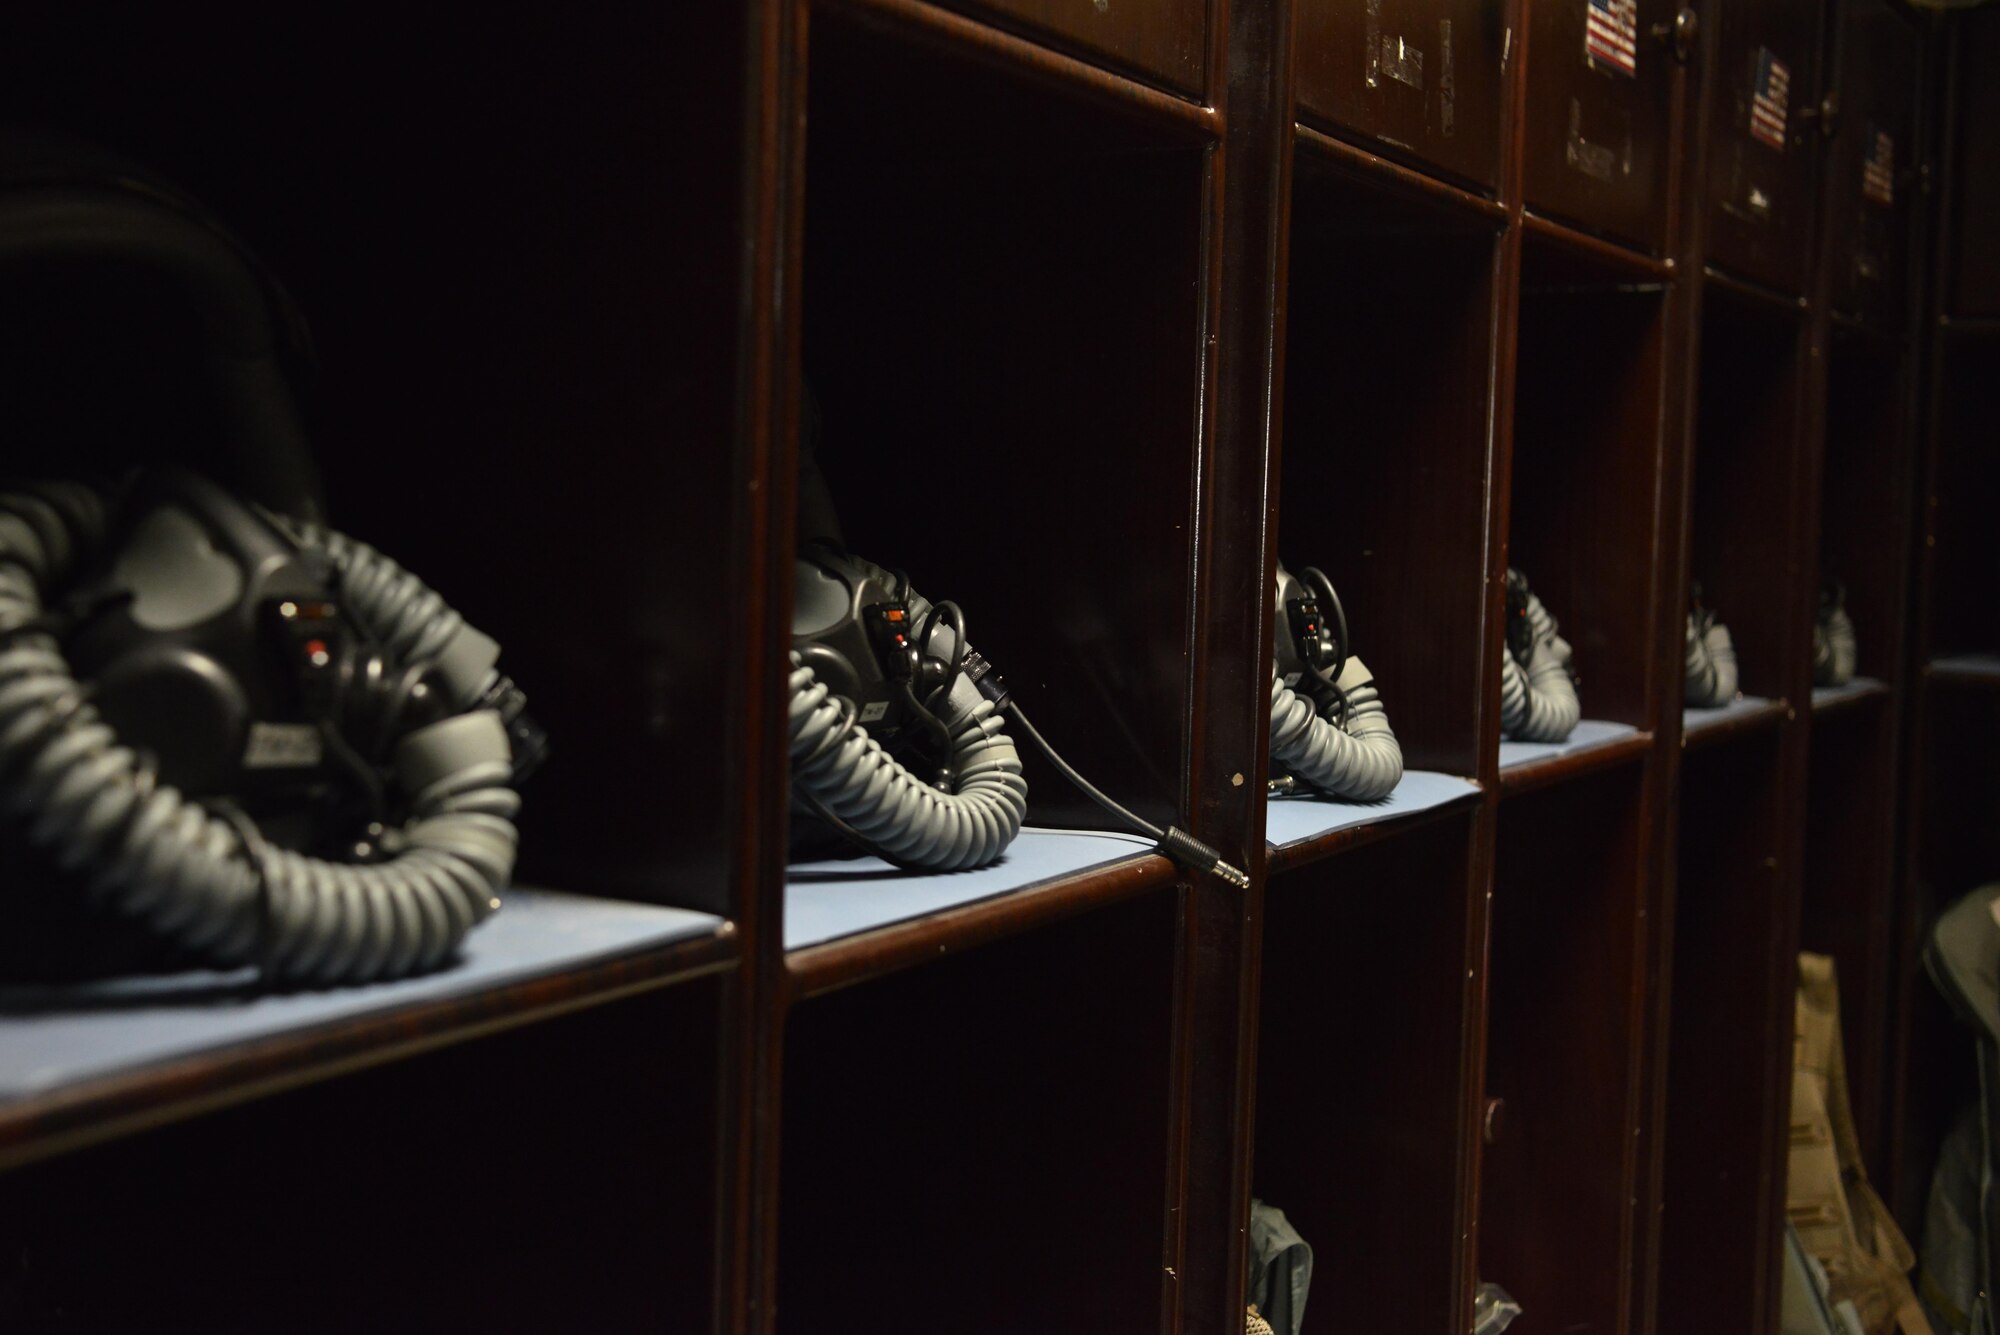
{"x": 1710, "y": 676}
{"x": 914, "y": 823}
{"x": 1539, "y": 704}
{"x": 1835, "y": 653}
{"x": 1357, "y": 758}
{"x": 210, "y": 883}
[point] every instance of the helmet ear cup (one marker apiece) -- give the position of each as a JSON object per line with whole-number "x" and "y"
{"x": 1311, "y": 626}
{"x": 1520, "y": 631}
{"x": 1332, "y": 649}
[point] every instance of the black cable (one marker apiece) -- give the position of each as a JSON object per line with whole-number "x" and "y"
{"x": 939, "y": 733}
{"x": 954, "y": 615}
{"x": 1314, "y": 578}
{"x": 1176, "y": 843}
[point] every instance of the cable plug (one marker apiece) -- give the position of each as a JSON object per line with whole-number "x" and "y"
{"x": 527, "y": 740}
{"x": 1189, "y": 851}
{"x": 981, "y": 674}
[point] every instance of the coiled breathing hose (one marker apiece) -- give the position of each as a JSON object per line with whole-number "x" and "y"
{"x": 1539, "y": 703}
{"x": 1835, "y": 653}
{"x": 912, "y": 823}
{"x": 207, "y": 880}
{"x": 1711, "y": 662}
{"x": 846, "y": 776}
{"x": 1357, "y": 758}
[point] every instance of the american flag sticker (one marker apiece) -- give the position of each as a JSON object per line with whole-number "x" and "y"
{"x": 1878, "y": 168}
{"x": 1769, "y": 95}
{"x": 1611, "y": 36}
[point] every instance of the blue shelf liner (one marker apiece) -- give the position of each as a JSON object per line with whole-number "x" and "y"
{"x": 1696, "y": 720}
{"x": 1854, "y": 686}
{"x": 51, "y": 1037}
{"x": 842, "y": 896}
{"x": 1292, "y": 820}
{"x": 1969, "y": 665}
{"x": 1590, "y": 734}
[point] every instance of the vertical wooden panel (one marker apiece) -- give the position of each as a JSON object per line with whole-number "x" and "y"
{"x": 1247, "y": 196}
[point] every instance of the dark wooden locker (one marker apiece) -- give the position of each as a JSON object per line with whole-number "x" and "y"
{"x": 1422, "y": 78}
{"x": 1763, "y": 129}
{"x": 1599, "y": 98}
{"x": 1868, "y": 199}
{"x": 1976, "y": 285}
{"x": 1166, "y": 41}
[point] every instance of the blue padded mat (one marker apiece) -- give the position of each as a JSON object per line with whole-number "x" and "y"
{"x": 1968, "y": 665}
{"x": 1589, "y": 733}
{"x": 1696, "y": 720}
{"x": 841, "y": 896}
{"x": 55, "y": 1036}
{"x": 1290, "y": 820}
{"x": 1825, "y": 696}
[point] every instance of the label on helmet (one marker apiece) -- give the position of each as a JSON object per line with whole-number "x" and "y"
{"x": 282, "y": 746}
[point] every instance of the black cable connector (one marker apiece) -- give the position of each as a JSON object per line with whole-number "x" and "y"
{"x": 981, "y": 674}
{"x": 1189, "y": 851}
{"x": 1176, "y": 843}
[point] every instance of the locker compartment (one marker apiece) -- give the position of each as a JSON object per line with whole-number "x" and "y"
{"x": 1421, "y": 78}
{"x": 1763, "y": 128}
{"x": 1874, "y": 150}
{"x": 950, "y": 212}
{"x": 1600, "y": 94}
{"x": 1975, "y": 289}
{"x": 1390, "y": 332}
{"x": 979, "y": 1143}
{"x": 1555, "y": 1215}
{"x": 512, "y": 364}
{"x": 1746, "y": 442}
{"x": 1164, "y": 41}
{"x": 1361, "y": 1075}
